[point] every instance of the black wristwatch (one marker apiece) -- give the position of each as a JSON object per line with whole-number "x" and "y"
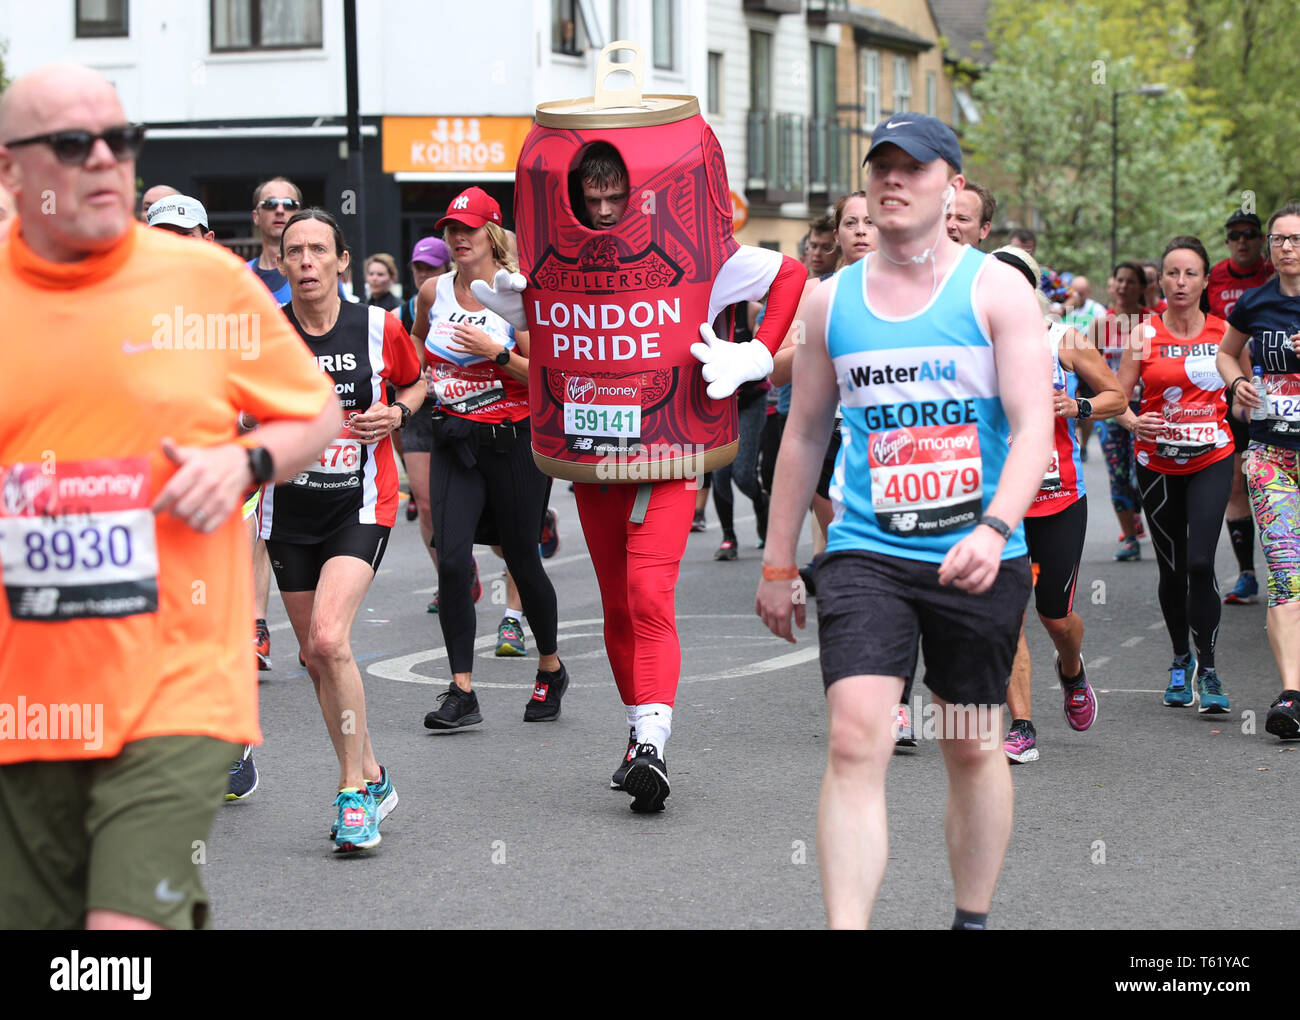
{"x": 261, "y": 465}
{"x": 1085, "y": 407}
{"x": 503, "y": 358}
{"x": 998, "y": 525}
{"x": 406, "y": 413}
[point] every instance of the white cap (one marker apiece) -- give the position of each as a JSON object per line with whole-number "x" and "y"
{"x": 177, "y": 211}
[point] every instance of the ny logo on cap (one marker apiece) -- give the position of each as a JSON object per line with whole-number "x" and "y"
{"x": 461, "y": 203}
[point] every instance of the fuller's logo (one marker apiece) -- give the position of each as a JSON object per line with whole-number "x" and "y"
{"x": 892, "y": 449}
{"x": 580, "y": 390}
{"x": 601, "y": 269}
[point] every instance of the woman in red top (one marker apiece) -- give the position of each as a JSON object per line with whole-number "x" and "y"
{"x": 481, "y": 466}
{"x": 1184, "y": 464}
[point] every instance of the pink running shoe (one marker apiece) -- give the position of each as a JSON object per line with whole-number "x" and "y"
{"x": 1021, "y": 742}
{"x": 1080, "y": 701}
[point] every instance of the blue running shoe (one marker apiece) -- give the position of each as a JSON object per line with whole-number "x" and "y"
{"x": 385, "y": 794}
{"x": 1245, "y": 592}
{"x": 1179, "y": 693}
{"x": 1213, "y": 700}
{"x": 1129, "y": 550}
{"x": 549, "y": 542}
{"x": 243, "y": 776}
{"x": 358, "y": 823}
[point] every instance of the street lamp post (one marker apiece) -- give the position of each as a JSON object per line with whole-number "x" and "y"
{"x": 1145, "y": 90}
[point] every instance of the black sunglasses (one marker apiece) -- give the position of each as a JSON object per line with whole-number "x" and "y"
{"x": 271, "y": 203}
{"x": 1244, "y": 235}
{"x": 73, "y": 148}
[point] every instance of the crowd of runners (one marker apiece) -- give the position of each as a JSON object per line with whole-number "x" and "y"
{"x": 932, "y": 407}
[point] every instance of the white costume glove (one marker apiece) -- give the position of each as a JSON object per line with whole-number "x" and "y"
{"x": 504, "y": 296}
{"x": 727, "y": 365}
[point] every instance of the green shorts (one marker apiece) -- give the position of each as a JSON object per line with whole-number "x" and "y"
{"x": 124, "y": 834}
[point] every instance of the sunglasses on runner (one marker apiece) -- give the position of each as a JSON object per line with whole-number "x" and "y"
{"x": 272, "y": 203}
{"x": 1243, "y": 235}
{"x": 73, "y": 148}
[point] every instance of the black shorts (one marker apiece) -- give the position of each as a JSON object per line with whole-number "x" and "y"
{"x": 1055, "y": 548}
{"x": 1240, "y": 430}
{"x": 874, "y": 612}
{"x": 417, "y": 437}
{"x": 828, "y": 463}
{"x": 297, "y": 566}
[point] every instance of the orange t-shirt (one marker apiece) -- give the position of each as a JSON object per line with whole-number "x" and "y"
{"x": 116, "y": 625}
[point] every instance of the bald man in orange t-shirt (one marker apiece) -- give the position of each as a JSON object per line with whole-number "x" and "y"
{"x": 126, "y": 676}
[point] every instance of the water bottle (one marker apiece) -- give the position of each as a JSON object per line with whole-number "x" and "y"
{"x": 1261, "y": 412}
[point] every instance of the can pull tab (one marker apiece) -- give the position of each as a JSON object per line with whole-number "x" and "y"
{"x": 605, "y": 66}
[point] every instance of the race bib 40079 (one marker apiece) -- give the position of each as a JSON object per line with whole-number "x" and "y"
{"x": 926, "y": 480}
{"x": 77, "y": 539}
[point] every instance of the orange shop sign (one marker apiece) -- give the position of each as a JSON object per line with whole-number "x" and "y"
{"x": 453, "y": 145}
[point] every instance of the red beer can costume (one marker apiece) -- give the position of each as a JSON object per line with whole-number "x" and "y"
{"x": 618, "y": 400}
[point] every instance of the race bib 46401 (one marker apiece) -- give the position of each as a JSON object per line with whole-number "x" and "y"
{"x": 926, "y": 480}
{"x": 77, "y": 539}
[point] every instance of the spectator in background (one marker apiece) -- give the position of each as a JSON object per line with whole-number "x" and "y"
{"x": 381, "y": 274}
{"x": 151, "y": 195}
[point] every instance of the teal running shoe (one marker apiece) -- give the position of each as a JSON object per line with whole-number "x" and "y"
{"x": 385, "y": 794}
{"x": 1213, "y": 700}
{"x": 358, "y": 821}
{"x": 1179, "y": 693}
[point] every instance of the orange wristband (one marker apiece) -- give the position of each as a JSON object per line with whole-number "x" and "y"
{"x": 780, "y": 573}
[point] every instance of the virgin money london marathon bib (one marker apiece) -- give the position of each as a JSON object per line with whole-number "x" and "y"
{"x": 924, "y": 433}
{"x": 1270, "y": 318}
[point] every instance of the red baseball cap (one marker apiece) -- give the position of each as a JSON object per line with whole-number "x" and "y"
{"x": 472, "y": 207}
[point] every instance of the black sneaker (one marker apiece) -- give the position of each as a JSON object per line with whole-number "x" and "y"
{"x": 647, "y": 780}
{"x": 243, "y": 776}
{"x": 544, "y": 705}
{"x": 1284, "y": 716}
{"x": 458, "y": 709}
{"x": 620, "y": 773}
{"x": 698, "y": 522}
{"x": 726, "y": 551}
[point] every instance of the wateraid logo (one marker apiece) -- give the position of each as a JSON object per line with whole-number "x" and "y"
{"x": 891, "y": 449}
{"x": 580, "y": 389}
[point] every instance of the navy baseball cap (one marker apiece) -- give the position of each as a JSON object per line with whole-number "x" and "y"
{"x": 1241, "y": 216}
{"x": 920, "y": 136}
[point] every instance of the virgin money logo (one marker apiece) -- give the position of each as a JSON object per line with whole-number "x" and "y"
{"x": 1185, "y": 412}
{"x": 892, "y": 449}
{"x": 579, "y": 389}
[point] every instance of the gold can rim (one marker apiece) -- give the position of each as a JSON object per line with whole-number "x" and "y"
{"x": 581, "y": 113}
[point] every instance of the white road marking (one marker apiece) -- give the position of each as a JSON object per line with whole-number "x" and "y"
{"x": 1132, "y": 642}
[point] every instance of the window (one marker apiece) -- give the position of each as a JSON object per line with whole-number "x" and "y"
{"x": 266, "y": 25}
{"x": 931, "y": 93}
{"x": 615, "y": 26}
{"x": 568, "y": 28}
{"x": 760, "y": 70}
{"x": 98, "y": 19}
{"x": 823, "y": 81}
{"x": 715, "y": 83}
{"x": 665, "y": 39}
{"x": 870, "y": 89}
{"x": 902, "y": 85}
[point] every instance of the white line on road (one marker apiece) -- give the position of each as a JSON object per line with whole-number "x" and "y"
{"x": 1132, "y": 642}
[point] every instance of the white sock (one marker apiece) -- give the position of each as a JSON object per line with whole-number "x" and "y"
{"x": 653, "y": 724}
{"x": 631, "y": 715}
{"x": 511, "y": 614}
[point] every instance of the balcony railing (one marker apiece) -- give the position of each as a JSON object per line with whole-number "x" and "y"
{"x": 830, "y": 157}
{"x": 777, "y": 154}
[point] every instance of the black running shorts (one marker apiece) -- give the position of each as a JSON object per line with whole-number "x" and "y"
{"x": 1055, "y": 548}
{"x": 417, "y": 437}
{"x": 874, "y": 612}
{"x": 828, "y": 463}
{"x": 297, "y": 567}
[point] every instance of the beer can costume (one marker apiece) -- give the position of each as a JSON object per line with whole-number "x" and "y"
{"x": 615, "y": 394}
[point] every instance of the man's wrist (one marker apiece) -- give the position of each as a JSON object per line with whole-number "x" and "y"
{"x": 998, "y": 525}
{"x": 785, "y": 573}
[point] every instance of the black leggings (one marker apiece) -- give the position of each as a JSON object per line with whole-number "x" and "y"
{"x": 507, "y": 487}
{"x": 1184, "y": 518}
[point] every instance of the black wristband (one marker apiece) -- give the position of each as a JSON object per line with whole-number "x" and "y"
{"x": 998, "y": 525}
{"x": 1232, "y": 386}
{"x": 406, "y": 413}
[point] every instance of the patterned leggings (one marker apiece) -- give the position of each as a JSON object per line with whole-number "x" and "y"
{"x": 1273, "y": 480}
{"x": 1117, "y": 445}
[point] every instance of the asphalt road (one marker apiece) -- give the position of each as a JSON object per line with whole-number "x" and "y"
{"x": 1155, "y": 818}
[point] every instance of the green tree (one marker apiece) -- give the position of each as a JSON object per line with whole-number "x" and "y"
{"x": 1246, "y": 61}
{"x": 1044, "y": 138}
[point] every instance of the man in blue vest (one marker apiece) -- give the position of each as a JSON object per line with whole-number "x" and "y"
{"x": 937, "y": 354}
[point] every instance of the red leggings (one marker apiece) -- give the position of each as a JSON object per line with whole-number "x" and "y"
{"x": 636, "y": 566}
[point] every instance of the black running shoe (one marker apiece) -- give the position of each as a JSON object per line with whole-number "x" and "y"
{"x": 412, "y": 511}
{"x": 1284, "y": 716}
{"x": 647, "y": 780}
{"x": 727, "y": 550}
{"x": 544, "y": 705}
{"x": 459, "y": 708}
{"x": 243, "y": 776}
{"x": 620, "y": 773}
